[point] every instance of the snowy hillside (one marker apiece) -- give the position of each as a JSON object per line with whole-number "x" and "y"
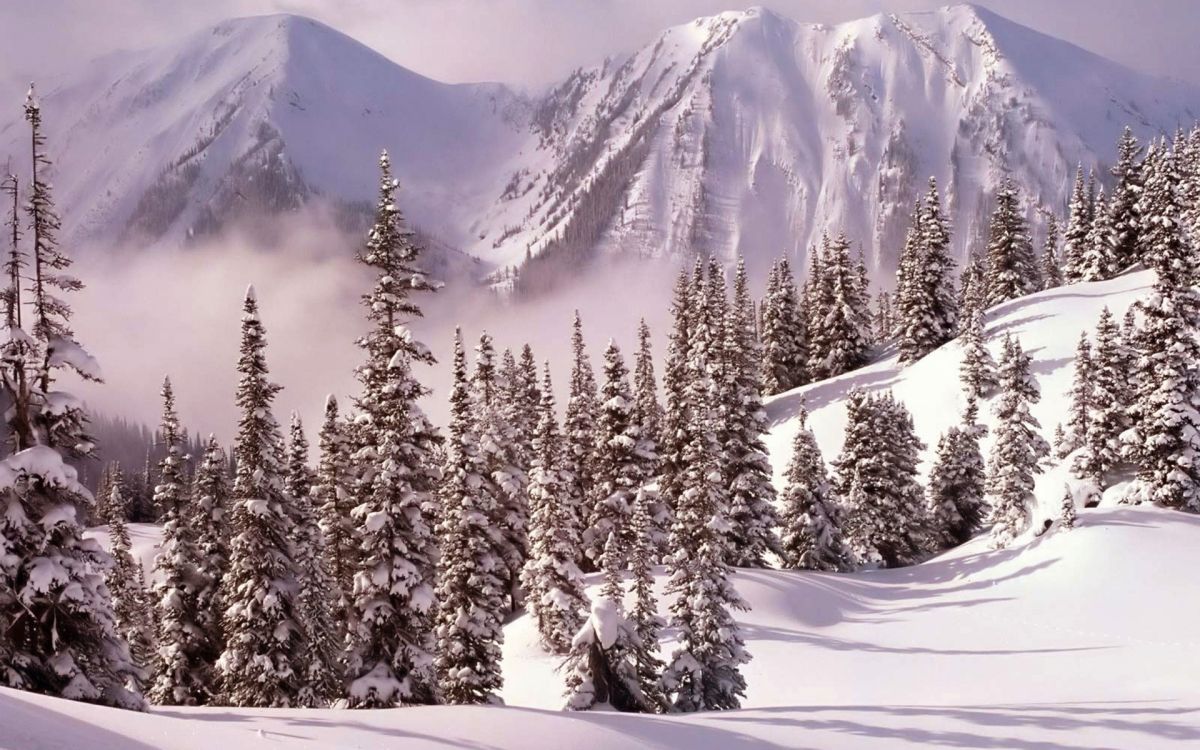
{"x": 1058, "y": 641}
{"x": 744, "y": 132}
{"x": 262, "y": 113}
{"x": 1059, "y": 644}
{"x": 752, "y": 133}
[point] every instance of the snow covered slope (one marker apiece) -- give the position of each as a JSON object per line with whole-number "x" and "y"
{"x": 743, "y": 132}
{"x": 1078, "y": 640}
{"x": 751, "y": 133}
{"x": 262, "y": 112}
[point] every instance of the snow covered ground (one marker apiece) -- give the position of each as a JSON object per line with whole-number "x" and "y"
{"x": 1077, "y": 639}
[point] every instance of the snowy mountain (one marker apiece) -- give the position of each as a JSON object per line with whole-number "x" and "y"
{"x": 751, "y": 133}
{"x": 263, "y": 113}
{"x": 744, "y": 132}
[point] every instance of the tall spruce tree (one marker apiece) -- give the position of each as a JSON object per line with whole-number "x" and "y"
{"x": 579, "y": 428}
{"x": 649, "y": 415}
{"x": 1079, "y": 227}
{"x": 619, "y": 471}
{"x": 1108, "y": 403}
{"x": 390, "y": 642}
{"x": 182, "y": 674}
{"x": 957, "y": 482}
{"x": 784, "y": 338}
{"x": 126, "y": 584}
{"x": 211, "y": 522}
{"x": 1012, "y": 268}
{"x": 1051, "y": 268}
{"x": 471, "y": 589}
{"x": 978, "y": 370}
{"x": 1164, "y": 441}
{"x": 647, "y": 623}
{"x": 1100, "y": 259}
{"x": 747, "y": 467}
{"x": 1126, "y": 206}
{"x": 333, "y": 502}
{"x": 886, "y": 521}
{"x": 676, "y": 416}
{"x": 1082, "y": 388}
{"x": 843, "y": 331}
{"x": 1017, "y": 449}
{"x": 264, "y": 639}
{"x": 929, "y": 309}
{"x": 811, "y": 516}
{"x": 553, "y": 583}
{"x": 61, "y": 637}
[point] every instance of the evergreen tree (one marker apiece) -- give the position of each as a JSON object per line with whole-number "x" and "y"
{"x": 61, "y": 637}
{"x": 210, "y": 520}
{"x": 390, "y": 641}
{"x": 1067, "y": 520}
{"x": 1082, "y": 389}
{"x": 908, "y": 275}
{"x": 649, "y": 415}
{"x": 784, "y": 338}
{"x": 1017, "y": 449}
{"x": 1079, "y": 227}
{"x": 811, "y": 516}
{"x": 524, "y": 398}
{"x": 618, "y": 470}
{"x": 957, "y": 482}
{"x": 1125, "y": 208}
{"x": 886, "y": 521}
{"x": 1164, "y": 441}
{"x": 1012, "y": 269}
{"x": 182, "y": 674}
{"x": 498, "y": 444}
{"x": 580, "y": 428}
{"x": 1107, "y": 400}
{"x": 471, "y": 589}
{"x": 334, "y": 504}
{"x": 884, "y": 323}
{"x": 747, "y": 467}
{"x": 929, "y": 309}
{"x": 676, "y": 416}
{"x": 553, "y": 584}
{"x": 264, "y": 640}
{"x": 1100, "y": 260}
{"x": 1051, "y": 270}
{"x": 645, "y": 618}
{"x": 321, "y": 681}
{"x": 124, "y": 580}
{"x": 973, "y": 288}
{"x": 704, "y": 671}
{"x": 978, "y": 370}
{"x": 843, "y": 333}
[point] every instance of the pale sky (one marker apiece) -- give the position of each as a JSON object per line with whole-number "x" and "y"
{"x": 534, "y": 42}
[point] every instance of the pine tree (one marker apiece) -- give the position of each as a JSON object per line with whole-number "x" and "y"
{"x": 524, "y": 397}
{"x": 884, "y": 323}
{"x": 334, "y": 503}
{"x": 1100, "y": 260}
{"x": 843, "y": 333}
{"x": 1165, "y": 436}
{"x": 1082, "y": 389}
{"x": 676, "y": 416}
{"x": 957, "y": 482}
{"x": 645, "y": 618}
{"x": 618, "y": 470}
{"x": 182, "y": 674}
{"x": 318, "y": 662}
{"x": 886, "y": 520}
{"x": 649, "y": 415}
{"x": 389, "y": 649}
{"x": 61, "y": 637}
{"x": 209, "y": 518}
{"x": 704, "y": 671}
{"x": 124, "y": 583}
{"x": 929, "y": 309}
{"x": 978, "y": 370}
{"x": 784, "y": 339}
{"x": 553, "y": 584}
{"x": 973, "y": 288}
{"x": 908, "y": 276}
{"x": 1017, "y": 449}
{"x": 498, "y": 445}
{"x": 1067, "y": 520}
{"x": 1012, "y": 269}
{"x": 1079, "y": 227}
{"x": 811, "y": 517}
{"x": 1051, "y": 270}
{"x": 1107, "y": 399}
{"x": 264, "y": 640}
{"x": 471, "y": 590}
{"x": 580, "y": 427}
{"x": 747, "y": 467}
{"x": 1125, "y": 208}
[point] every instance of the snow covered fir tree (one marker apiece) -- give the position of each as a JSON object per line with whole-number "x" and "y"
{"x": 655, "y": 450}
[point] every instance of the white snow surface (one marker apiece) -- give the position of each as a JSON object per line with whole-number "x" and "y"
{"x": 1076, "y": 639}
